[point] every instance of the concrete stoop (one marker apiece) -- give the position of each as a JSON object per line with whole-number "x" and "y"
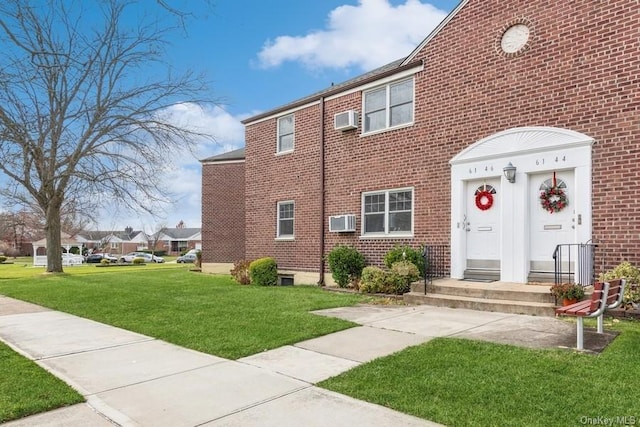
{"x": 515, "y": 298}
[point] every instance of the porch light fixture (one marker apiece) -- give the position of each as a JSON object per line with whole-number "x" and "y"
{"x": 510, "y": 173}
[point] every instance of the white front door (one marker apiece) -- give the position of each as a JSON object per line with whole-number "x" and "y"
{"x": 482, "y": 224}
{"x": 549, "y": 227}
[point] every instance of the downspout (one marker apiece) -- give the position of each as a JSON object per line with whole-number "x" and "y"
{"x": 321, "y": 279}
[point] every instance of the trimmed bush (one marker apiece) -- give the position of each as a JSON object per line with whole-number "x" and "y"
{"x": 404, "y": 273}
{"x": 2, "y": 259}
{"x": 632, "y": 274}
{"x": 264, "y": 272}
{"x": 346, "y": 265}
{"x": 405, "y": 253}
{"x": 373, "y": 280}
{"x": 240, "y": 272}
{"x": 137, "y": 260}
{"x": 105, "y": 261}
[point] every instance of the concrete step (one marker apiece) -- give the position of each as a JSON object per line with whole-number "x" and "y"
{"x": 483, "y": 304}
{"x": 533, "y": 299}
{"x": 527, "y": 293}
{"x": 542, "y": 277}
{"x": 482, "y": 275}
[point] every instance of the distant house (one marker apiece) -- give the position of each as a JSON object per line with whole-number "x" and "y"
{"x": 116, "y": 242}
{"x": 511, "y": 129}
{"x": 177, "y": 240}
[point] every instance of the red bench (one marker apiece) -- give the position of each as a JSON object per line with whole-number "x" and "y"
{"x": 593, "y": 307}
{"x": 614, "y": 299}
{"x": 605, "y": 296}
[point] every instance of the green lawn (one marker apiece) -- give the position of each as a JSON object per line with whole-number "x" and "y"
{"x": 26, "y": 388}
{"x": 204, "y": 312}
{"x": 451, "y": 381}
{"x": 459, "y": 382}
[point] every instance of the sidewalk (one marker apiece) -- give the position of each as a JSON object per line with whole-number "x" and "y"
{"x": 130, "y": 379}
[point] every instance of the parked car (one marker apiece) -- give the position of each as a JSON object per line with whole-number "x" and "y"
{"x": 98, "y": 257}
{"x": 186, "y": 258}
{"x": 147, "y": 257}
{"x": 72, "y": 259}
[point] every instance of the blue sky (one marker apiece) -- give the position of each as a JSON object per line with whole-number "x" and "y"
{"x": 259, "y": 55}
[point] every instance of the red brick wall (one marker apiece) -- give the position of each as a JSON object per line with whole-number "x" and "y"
{"x": 271, "y": 178}
{"x": 581, "y": 72}
{"x": 223, "y": 218}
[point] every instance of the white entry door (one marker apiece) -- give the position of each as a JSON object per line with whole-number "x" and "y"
{"x": 549, "y": 229}
{"x": 483, "y": 224}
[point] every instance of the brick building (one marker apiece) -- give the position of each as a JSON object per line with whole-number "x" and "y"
{"x": 223, "y": 211}
{"x": 416, "y": 151}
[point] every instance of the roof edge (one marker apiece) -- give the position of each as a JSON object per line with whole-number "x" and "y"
{"x": 331, "y": 92}
{"x": 435, "y": 31}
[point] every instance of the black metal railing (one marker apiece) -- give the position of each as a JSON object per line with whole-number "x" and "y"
{"x": 436, "y": 259}
{"x": 575, "y": 263}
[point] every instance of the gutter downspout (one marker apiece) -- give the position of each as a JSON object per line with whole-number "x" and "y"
{"x": 321, "y": 279}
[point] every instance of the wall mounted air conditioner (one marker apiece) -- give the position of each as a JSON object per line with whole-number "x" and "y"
{"x": 342, "y": 223}
{"x": 346, "y": 120}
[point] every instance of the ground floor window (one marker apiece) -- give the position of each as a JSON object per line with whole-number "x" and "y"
{"x": 286, "y": 211}
{"x": 179, "y": 245}
{"x": 387, "y": 212}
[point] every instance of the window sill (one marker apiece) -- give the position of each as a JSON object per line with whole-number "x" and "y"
{"x": 385, "y": 236}
{"x": 375, "y": 132}
{"x": 283, "y": 153}
{"x": 285, "y": 239}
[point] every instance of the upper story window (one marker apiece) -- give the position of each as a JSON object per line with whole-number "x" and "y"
{"x": 286, "y": 212}
{"x": 388, "y": 106}
{"x": 286, "y": 127}
{"x": 388, "y": 213}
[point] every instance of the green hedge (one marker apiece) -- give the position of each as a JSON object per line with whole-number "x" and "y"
{"x": 346, "y": 265}
{"x": 264, "y": 272}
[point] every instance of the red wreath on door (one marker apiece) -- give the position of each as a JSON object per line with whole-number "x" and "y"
{"x": 484, "y": 200}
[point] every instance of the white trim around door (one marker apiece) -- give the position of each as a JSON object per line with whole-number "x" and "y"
{"x": 533, "y": 151}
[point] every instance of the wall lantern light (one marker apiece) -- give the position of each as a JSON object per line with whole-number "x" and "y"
{"x": 510, "y": 173}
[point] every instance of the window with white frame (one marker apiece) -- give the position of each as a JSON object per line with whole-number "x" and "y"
{"x": 388, "y": 212}
{"x": 388, "y": 106}
{"x": 114, "y": 245}
{"x": 286, "y": 127}
{"x": 286, "y": 212}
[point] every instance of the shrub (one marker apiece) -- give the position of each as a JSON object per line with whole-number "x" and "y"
{"x": 404, "y": 273}
{"x": 105, "y": 261}
{"x": 346, "y": 265}
{"x": 373, "y": 280}
{"x": 240, "y": 272}
{"x": 2, "y": 259}
{"x": 137, "y": 260}
{"x": 632, "y": 274}
{"x": 264, "y": 272}
{"x": 405, "y": 253}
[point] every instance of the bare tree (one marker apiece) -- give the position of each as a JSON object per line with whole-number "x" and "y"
{"x": 154, "y": 238}
{"x": 83, "y": 108}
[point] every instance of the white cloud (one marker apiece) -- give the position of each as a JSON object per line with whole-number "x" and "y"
{"x": 182, "y": 174}
{"x": 366, "y": 36}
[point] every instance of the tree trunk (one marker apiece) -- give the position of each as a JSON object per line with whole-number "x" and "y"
{"x": 54, "y": 240}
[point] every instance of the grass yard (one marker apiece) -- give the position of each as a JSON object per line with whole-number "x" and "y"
{"x": 204, "y": 312}
{"x": 26, "y": 388}
{"x": 459, "y": 382}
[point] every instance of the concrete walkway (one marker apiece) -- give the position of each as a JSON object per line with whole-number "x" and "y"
{"x": 130, "y": 379}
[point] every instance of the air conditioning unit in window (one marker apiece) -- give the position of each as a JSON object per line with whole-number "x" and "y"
{"x": 342, "y": 223}
{"x": 346, "y": 120}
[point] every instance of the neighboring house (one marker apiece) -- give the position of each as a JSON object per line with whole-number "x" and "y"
{"x": 417, "y": 150}
{"x": 116, "y": 242}
{"x": 223, "y": 210}
{"x": 177, "y": 240}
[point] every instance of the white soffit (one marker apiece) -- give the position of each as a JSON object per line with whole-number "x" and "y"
{"x": 520, "y": 141}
